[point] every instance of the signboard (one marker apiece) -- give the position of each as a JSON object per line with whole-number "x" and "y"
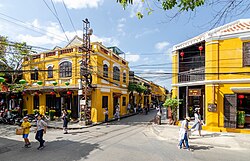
{"x": 212, "y": 107}
{"x": 194, "y": 92}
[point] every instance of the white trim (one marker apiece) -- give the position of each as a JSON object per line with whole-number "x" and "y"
{"x": 125, "y": 71}
{"x": 245, "y": 37}
{"x": 64, "y": 60}
{"x": 105, "y": 90}
{"x": 105, "y": 62}
{"x": 240, "y": 89}
{"x": 124, "y": 85}
{"x": 104, "y": 81}
{"x": 49, "y": 65}
{"x": 111, "y": 87}
{"x": 117, "y": 65}
{"x": 212, "y": 82}
{"x": 212, "y": 42}
{"x": 124, "y": 92}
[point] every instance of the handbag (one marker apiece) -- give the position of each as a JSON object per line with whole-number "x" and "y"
{"x": 19, "y": 131}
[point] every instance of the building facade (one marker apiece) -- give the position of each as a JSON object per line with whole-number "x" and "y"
{"x": 211, "y": 72}
{"x": 54, "y": 78}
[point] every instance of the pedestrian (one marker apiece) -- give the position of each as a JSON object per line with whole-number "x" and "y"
{"x": 117, "y": 113}
{"x": 41, "y": 127}
{"x": 26, "y": 130}
{"x": 106, "y": 115}
{"x": 128, "y": 108}
{"x": 135, "y": 106}
{"x": 65, "y": 118}
{"x": 183, "y": 133}
{"x": 197, "y": 122}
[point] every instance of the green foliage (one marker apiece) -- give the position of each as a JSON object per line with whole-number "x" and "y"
{"x": 132, "y": 87}
{"x": 181, "y": 5}
{"x": 241, "y": 118}
{"x": 173, "y": 103}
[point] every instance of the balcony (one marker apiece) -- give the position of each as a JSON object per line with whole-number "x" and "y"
{"x": 192, "y": 75}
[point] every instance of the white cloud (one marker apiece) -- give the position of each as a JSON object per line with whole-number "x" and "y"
{"x": 120, "y": 26}
{"x": 132, "y": 57}
{"x": 107, "y": 41}
{"x": 145, "y": 59}
{"x": 161, "y": 46}
{"x": 79, "y": 4}
{"x": 136, "y": 7}
{"x": 54, "y": 36}
{"x": 146, "y": 32}
{"x": 1, "y": 5}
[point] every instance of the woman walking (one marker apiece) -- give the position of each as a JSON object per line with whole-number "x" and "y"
{"x": 183, "y": 133}
{"x": 197, "y": 122}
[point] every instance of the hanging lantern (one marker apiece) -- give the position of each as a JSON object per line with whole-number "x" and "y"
{"x": 36, "y": 93}
{"x": 240, "y": 97}
{"x": 39, "y": 83}
{"x": 182, "y": 55}
{"x": 22, "y": 81}
{"x": 52, "y": 93}
{"x": 66, "y": 83}
{"x": 13, "y": 96}
{"x": 69, "y": 92}
{"x": 200, "y": 48}
{"x": 2, "y": 80}
{"x": 54, "y": 83}
{"x": 23, "y": 93}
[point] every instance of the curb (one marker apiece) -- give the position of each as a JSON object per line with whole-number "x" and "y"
{"x": 88, "y": 126}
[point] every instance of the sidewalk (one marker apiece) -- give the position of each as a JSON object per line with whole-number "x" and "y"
{"x": 235, "y": 141}
{"x": 77, "y": 125}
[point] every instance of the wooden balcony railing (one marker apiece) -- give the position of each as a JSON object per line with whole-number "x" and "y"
{"x": 192, "y": 75}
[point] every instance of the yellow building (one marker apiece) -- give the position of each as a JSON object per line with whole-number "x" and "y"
{"x": 154, "y": 94}
{"x": 58, "y": 73}
{"x": 211, "y": 72}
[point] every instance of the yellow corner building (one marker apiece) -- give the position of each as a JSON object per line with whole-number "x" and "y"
{"x": 54, "y": 80}
{"x": 212, "y": 72}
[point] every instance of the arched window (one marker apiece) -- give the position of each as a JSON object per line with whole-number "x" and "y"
{"x": 66, "y": 69}
{"x": 116, "y": 73}
{"x": 105, "y": 71}
{"x": 124, "y": 77}
{"x": 50, "y": 72}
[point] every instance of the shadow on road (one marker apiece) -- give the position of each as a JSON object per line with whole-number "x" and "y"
{"x": 63, "y": 150}
{"x": 198, "y": 147}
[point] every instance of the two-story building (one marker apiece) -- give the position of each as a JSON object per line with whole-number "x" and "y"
{"x": 211, "y": 72}
{"x": 54, "y": 78}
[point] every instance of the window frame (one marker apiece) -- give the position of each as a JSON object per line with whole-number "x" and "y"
{"x": 50, "y": 72}
{"x": 105, "y": 101}
{"x": 124, "y": 77}
{"x": 105, "y": 71}
{"x": 116, "y": 73}
{"x": 246, "y": 54}
{"x": 65, "y": 69}
{"x": 34, "y": 75}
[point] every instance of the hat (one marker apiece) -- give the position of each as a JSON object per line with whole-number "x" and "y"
{"x": 188, "y": 118}
{"x": 197, "y": 108}
{"x": 25, "y": 117}
{"x": 36, "y": 115}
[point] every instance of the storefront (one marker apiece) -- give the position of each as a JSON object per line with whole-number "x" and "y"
{"x": 243, "y": 110}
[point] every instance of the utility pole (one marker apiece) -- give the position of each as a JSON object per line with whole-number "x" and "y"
{"x": 87, "y": 32}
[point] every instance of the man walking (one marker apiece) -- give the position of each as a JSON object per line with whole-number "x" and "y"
{"x": 41, "y": 127}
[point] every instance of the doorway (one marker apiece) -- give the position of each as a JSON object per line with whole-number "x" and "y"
{"x": 115, "y": 102}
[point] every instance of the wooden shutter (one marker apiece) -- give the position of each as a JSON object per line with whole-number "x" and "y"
{"x": 246, "y": 54}
{"x": 230, "y": 112}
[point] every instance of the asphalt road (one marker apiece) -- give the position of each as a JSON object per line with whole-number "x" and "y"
{"x": 131, "y": 139}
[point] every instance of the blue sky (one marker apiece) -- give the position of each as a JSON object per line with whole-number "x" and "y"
{"x": 147, "y": 41}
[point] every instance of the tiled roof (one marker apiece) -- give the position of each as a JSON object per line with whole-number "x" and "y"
{"x": 239, "y": 26}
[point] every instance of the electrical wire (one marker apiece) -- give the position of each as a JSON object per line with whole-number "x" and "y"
{"x": 69, "y": 16}
{"x": 57, "y": 19}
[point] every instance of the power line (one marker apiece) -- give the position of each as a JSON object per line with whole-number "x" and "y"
{"x": 57, "y": 19}
{"x": 32, "y": 27}
{"x": 69, "y": 16}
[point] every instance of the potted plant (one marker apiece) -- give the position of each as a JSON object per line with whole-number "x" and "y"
{"x": 241, "y": 119}
{"x": 52, "y": 114}
{"x": 172, "y": 103}
{"x": 35, "y": 111}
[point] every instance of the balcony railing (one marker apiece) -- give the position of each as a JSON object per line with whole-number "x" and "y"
{"x": 192, "y": 75}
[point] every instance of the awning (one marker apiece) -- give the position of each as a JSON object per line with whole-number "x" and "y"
{"x": 240, "y": 89}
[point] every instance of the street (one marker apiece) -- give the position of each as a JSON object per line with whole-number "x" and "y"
{"x": 130, "y": 139}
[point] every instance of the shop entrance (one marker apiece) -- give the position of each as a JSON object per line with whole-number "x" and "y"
{"x": 243, "y": 110}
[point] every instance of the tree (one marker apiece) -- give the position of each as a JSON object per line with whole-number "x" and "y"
{"x": 12, "y": 55}
{"x": 222, "y": 9}
{"x": 131, "y": 89}
{"x": 140, "y": 89}
{"x": 173, "y": 103}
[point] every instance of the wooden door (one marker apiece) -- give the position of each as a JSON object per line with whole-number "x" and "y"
{"x": 230, "y": 110}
